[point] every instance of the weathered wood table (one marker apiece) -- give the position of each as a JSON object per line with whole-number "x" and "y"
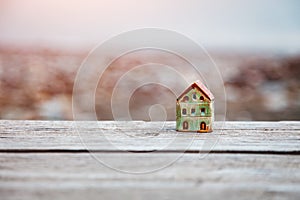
{"x": 148, "y": 160}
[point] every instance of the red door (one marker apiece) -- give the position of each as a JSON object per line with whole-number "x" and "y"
{"x": 203, "y": 126}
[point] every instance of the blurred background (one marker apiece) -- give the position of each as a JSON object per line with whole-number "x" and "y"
{"x": 256, "y": 45}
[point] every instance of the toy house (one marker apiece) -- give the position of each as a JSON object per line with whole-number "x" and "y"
{"x": 195, "y": 109}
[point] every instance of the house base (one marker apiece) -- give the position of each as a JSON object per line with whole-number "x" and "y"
{"x": 197, "y": 131}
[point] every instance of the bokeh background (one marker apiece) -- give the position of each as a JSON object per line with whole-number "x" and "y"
{"x": 255, "y": 44}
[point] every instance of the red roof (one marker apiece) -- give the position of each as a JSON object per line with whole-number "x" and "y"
{"x": 201, "y": 87}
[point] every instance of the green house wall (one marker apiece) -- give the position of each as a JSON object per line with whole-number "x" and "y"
{"x": 195, "y": 119}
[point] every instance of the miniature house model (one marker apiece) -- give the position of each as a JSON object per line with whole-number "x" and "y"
{"x": 195, "y": 109}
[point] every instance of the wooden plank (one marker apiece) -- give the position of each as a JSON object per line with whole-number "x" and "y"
{"x": 269, "y": 137}
{"x": 216, "y": 176}
{"x": 35, "y": 125}
{"x": 251, "y": 160}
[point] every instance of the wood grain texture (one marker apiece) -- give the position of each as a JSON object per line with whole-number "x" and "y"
{"x": 148, "y": 160}
{"x": 77, "y": 176}
{"x": 148, "y": 136}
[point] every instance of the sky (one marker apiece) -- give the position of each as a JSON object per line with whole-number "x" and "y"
{"x": 270, "y": 25}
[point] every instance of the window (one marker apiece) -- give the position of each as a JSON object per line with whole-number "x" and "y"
{"x": 193, "y": 110}
{"x": 185, "y": 125}
{"x": 202, "y": 111}
{"x": 201, "y": 98}
{"x": 186, "y": 98}
{"x": 194, "y": 96}
{"x": 184, "y": 111}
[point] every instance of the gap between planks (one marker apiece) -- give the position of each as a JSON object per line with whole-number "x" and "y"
{"x": 259, "y": 152}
